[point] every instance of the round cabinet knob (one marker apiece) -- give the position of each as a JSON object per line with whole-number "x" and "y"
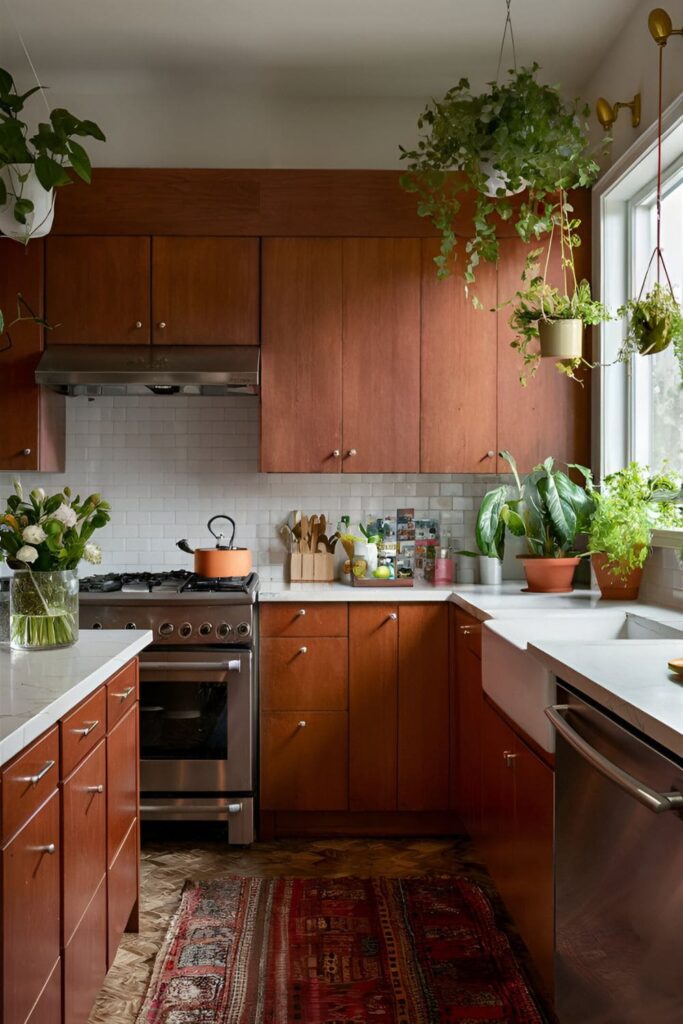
{"x": 336, "y": 453}
{"x": 162, "y": 325}
{"x": 301, "y": 724}
{"x": 166, "y": 628}
{"x": 351, "y": 452}
{"x": 138, "y": 324}
{"x": 185, "y": 630}
{"x": 490, "y": 454}
{"x": 95, "y": 789}
{"x": 302, "y": 611}
{"x": 131, "y": 625}
{"x": 49, "y": 848}
{"x": 392, "y": 616}
{"x": 243, "y": 629}
{"x": 26, "y": 451}
{"x": 303, "y": 650}
{"x": 205, "y": 628}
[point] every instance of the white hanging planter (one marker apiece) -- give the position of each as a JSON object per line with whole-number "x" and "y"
{"x": 21, "y": 183}
{"x": 497, "y": 179}
{"x": 561, "y": 339}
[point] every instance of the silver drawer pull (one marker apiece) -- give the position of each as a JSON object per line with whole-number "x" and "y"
{"x": 48, "y": 848}
{"x": 302, "y": 611}
{"x": 392, "y": 616}
{"x": 191, "y": 666}
{"x": 125, "y": 695}
{"x": 95, "y": 789}
{"x": 35, "y": 779}
{"x": 235, "y": 808}
{"x": 303, "y": 650}
{"x": 640, "y": 791}
{"x": 88, "y": 728}
{"x": 301, "y": 724}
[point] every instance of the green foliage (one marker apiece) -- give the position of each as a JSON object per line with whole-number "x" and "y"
{"x": 654, "y": 323}
{"x": 523, "y": 130}
{"x": 629, "y": 506}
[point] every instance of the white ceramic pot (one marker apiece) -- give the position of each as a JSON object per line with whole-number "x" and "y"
{"x": 21, "y": 183}
{"x": 561, "y": 339}
{"x": 490, "y": 571}
{"x": 497, "y": 179}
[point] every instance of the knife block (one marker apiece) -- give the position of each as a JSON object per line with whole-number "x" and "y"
{"x": 311, "y": 568}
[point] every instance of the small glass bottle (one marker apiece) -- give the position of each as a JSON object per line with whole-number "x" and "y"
{"x": 444, "y": 569}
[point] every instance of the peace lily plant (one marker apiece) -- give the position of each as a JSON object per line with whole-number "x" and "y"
{"x": 43, "y": 538}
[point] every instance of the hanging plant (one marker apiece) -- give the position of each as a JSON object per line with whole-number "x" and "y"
{"x": 654, "y": 322}
{"x": 518, "y": 135}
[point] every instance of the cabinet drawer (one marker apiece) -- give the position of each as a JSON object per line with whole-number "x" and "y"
{"x": 469, "y": 633}
{"x": 304, "y": 761}
{"x": 304, "y": 673}
{"x": 84, "y": 843}
{"x": 48, "y": 1009}
{"x": 28, "y": 780}
{"x": 85, "y": 960}
{"x": 122, "y": 890}
{"x": 305, "y": 619}
{"x": 30, "y": 912}
{"x": 122, "y": 780}
{"x": 122, "y": 692}
{"x": 82, "y": 730}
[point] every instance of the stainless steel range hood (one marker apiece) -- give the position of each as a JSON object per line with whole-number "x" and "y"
{"x": 150, "y": 369}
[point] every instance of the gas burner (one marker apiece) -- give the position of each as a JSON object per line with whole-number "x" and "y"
{"x": 178, "y": 582}
{"x": 217, "y": 584}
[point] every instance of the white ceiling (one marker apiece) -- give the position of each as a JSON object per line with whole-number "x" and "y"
{"x": 312, "y": 48}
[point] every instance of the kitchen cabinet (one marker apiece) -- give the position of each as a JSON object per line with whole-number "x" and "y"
{"x": 127, "y": 290}
{"x": 33, "y": 418}
{"x": 295, "y": 675}
{"x": 84, "y": 840}
{"x": 467, "y": 721}
{"x": 304, "y": 760}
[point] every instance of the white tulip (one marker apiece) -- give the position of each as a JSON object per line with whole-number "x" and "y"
{"x": 26, "y": 554}
{"x": 91, "y": 553}
{"x": 65, "y": 514}
{"x": 18, "y": 489}
{"x": 33, "y": 534}
{"x": 38, "y": 493}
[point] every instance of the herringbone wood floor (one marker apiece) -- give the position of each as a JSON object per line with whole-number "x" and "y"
{"x": 167, "y": 863}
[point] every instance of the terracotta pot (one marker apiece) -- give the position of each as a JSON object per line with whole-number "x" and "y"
{"x": 616, "y": 588}
{"x": 561, "y": 339}
{"x": 549, "y": 575}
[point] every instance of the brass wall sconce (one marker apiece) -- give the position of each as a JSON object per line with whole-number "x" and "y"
{"x": 661, "y": 27}
{"x": 608, "y": 112}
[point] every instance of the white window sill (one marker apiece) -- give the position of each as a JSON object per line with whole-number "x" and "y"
{"x": 672, "y": 538}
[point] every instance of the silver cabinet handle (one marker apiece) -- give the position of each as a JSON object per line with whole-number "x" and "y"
{"x": 303, "y": 650}
{"x": 95, "y": 789}
{"x": 233, "y": 665}
{"x": 302, "y": 611}
{"x": 235, "y": 808}
{"x": 35, "y": 779}
{"x": 392, "y": 616}
{"x": 125, "y": 695}
{"x": 490, "y": 453}
{"x": 301, "y": 724}
{"x": 26, "y": 451}
{"x": 509, "y": 758}
{"x": 351, "y": 452}
{"x": 88, "y": 728}
{"x": 48, "y": 848}
{"x": 161, "y": 325}
{"x": 336, "y": 453}
{"x": 138, "y": 324}
{"x": 640, "y": 791}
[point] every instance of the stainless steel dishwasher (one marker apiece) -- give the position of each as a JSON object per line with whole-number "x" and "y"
{"x": 618, "y": 872}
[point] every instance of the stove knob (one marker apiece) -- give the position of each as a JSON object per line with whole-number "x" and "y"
{"x": 97, "y": 625}
{"x": 131, "y": 625}
{"x": 244, "y": 629}
{"x": 205, "y": 629}
{"x": 185, "y": 630}
{"x": 224, "y": 630}
{"x": 166, "y": 628}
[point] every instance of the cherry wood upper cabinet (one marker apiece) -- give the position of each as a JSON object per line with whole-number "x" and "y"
{"x": 301, "y": 355}
{"x": 205, "y": 291}
{"x": 97, "y": 290}
{"x": 32, "y": 435}
{"x": 459, "y": 361}
{"x": 381, "y": 345}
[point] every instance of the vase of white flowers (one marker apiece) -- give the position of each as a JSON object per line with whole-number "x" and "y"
{"x": 43, "y": 539}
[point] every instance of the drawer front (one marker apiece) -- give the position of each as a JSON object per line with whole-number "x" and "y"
{"x": 30, "y": 912}
{"x": 122, "y": 693}
{"x": 85, "y": 960}
{"x": 310, "y": 672}
{"x": 122, "y": 890}
{"x": 28, "y": 781}
{"x": 304, "y": 761}
{"x": 48, "y": 1009}
{"x": 468, "y": 632}
{"x": 305, "y": 619}
{"x": 83, "y": 729}
{"x": 122, "y": 780}
{"x": 84, "y": 845}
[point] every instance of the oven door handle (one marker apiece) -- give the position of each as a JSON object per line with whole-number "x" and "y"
{"x": 640, "y": 791}
{"x": 233, "y": 665}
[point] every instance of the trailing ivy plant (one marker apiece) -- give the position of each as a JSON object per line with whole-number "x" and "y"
{"x": 522, "y": 132}
{"x": 654, "y": 323}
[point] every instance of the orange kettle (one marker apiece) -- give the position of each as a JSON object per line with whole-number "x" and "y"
{"x": 223, "y": 559}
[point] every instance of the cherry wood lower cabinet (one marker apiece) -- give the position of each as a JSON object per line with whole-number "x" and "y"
{"x": 67, "y": 891}
{"x": 466, "y": 719}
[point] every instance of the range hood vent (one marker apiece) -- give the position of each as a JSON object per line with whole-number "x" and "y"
{"x": 95, "y": 370}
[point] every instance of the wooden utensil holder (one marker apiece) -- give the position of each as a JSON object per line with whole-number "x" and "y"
{"x": 311, "y": 568}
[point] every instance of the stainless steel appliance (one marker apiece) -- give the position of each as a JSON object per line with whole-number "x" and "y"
{"x": 198, "y": 691}
{"x": 618, "y": 871}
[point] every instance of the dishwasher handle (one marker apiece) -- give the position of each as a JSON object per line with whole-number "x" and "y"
{"x": 644, "y": 794}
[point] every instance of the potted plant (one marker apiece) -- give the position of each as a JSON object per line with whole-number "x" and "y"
{"x": 517, "y": 135}
{"x": 43, "y": 539}
{"x": 490, "y": 534}
{"x": 654, "y": 322}
{"x": 32, "y": 166}
{"x": 628, "y": 506}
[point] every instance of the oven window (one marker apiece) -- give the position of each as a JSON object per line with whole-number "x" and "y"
{"x": 186, "y": 721}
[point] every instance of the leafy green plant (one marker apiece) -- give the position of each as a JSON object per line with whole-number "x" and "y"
{"x": 521, "y": 133}
{"x": 654, "y": 323}
{"x": 630, "y": 504}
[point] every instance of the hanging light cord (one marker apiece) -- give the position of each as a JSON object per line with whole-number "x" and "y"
{"x": 14, "y": 25}
{"x": 508, "y": 26}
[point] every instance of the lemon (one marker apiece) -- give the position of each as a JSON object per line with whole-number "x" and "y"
{"x": 382, "y": 572}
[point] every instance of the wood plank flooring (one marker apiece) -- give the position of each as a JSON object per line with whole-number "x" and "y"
{"x": 168, "y": 862}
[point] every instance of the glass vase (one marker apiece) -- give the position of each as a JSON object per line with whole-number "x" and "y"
{"x": 43, "y": 609}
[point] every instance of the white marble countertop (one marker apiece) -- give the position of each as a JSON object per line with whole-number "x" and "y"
{"x": 271, "y": 590}
{"x": 37, "y": 688}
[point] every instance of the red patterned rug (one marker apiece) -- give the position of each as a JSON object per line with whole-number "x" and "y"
{"x": 331, "y": 951}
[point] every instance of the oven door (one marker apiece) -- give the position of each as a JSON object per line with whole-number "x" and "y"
{"x": 196, "y": 721}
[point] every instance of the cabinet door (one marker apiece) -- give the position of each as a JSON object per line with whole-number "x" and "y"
{"x": 85, "y": 960}
{"x": 468, "y": 712}
{"x": 373, "y": 707}
{"x": 84, "y": 845}
{"x": 30, "y": 911}
{"x": 32, "y": 434}
{"x": 458, "y": 372}
{"x": 122, "y": 890}
{"x": 423, "y": 730}
{"x": 122, "y": 780}
{"x": 312, "y": 673}
{"x": 97, "y": 290}
{"x": 381, "y": 396}
{"x": 304, "y": 761}
{"x": 497, "y": 834}
{"x": 301, "y": 355}
{"x": 205, "y": 291}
